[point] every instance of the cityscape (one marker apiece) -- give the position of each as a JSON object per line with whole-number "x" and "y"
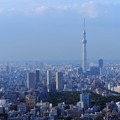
{"x": 55, "y": 85}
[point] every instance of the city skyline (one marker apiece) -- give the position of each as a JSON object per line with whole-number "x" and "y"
{"x": 43, "y": 30}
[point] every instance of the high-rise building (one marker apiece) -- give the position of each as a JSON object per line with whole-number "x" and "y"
{"x": 31, "y": 80}
{"x": 84, "y": 53}
{"x": 49, "y": 80}
{"x": 59, "y": 81}
{"x": 80, "y": 70}
{"x": 94, "y": 70}
{"x": 37, "y": 77}
{"x": 86, "y": 99}
{"x": 100, "y": 63}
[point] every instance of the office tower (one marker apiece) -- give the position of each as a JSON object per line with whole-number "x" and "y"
{"x": 79, "y": 71}
{"x": 59, "y": 81}
{"x": 37, "y": 77}
{"x": 84, "y": 54}
{"x": 86, "y": 98}
{"x": 49, "y": 80}
{"x": 100, "y": 62}
{"x": 31, "y": 80}
{"x": 94, "y": 70}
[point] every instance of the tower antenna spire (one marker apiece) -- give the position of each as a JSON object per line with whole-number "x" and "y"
{"x": 84, "y": 23}
{"x": 84, "y": 52}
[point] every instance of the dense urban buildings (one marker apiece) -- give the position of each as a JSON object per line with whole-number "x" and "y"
{"x": 21, "y": 99}
{"x": 61, "y": 91}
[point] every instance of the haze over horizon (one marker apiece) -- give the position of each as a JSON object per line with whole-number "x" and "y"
{"x": 52, "y": 29}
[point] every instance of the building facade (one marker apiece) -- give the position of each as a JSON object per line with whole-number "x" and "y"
{"x": 49, "y": 80}
{"x": 31, "y": 82}
{"x": 86, "y": 99}
{"x": 59, "y": 81}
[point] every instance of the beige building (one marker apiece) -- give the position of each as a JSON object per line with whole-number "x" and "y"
{"x": 49, "y": 80}
{"x": 30, "y": 101}
{"x": 117, "y": 89}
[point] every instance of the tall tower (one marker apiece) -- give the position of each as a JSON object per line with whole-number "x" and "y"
{"x": 31, "y": 80}
{"x": 59, "y": 81}
{"x": 49, "y": 80}
{"x": 84, "y": 54}
{"x": 100, "y": 64}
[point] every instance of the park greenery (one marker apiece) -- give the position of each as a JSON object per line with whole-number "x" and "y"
{"x": 73, "y": 97}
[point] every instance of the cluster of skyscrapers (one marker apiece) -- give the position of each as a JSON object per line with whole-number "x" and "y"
{"x": 33, "y": 80}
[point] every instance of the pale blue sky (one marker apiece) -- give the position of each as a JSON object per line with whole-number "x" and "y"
{"x": 52, "y": 29}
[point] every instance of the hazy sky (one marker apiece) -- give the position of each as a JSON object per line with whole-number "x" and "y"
{"x": 52, "y": 29}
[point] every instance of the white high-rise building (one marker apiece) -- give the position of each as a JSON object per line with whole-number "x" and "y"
{"x": 84, "y": 53}
{"x": 59, "y": 81}
{"x": 49, "y": 80}
{"x": 31, "y": 82}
